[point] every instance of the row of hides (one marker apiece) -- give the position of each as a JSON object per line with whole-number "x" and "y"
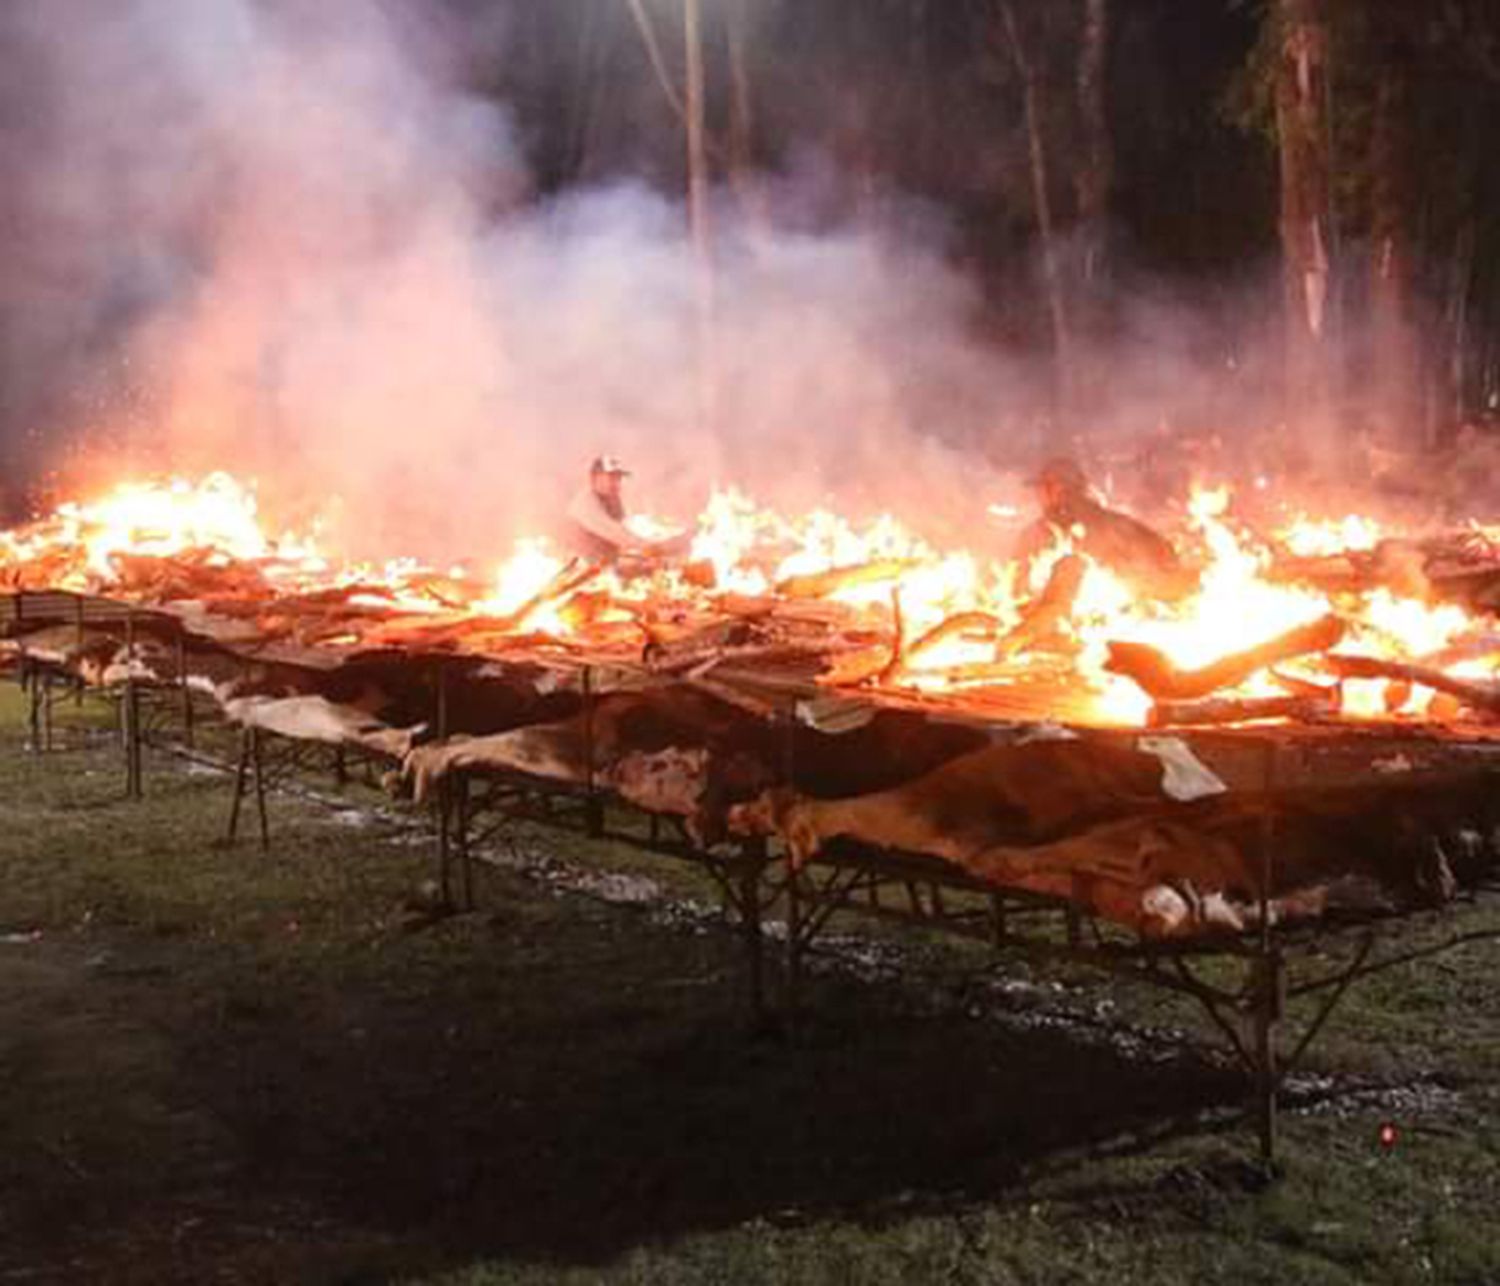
{"x": 1131, "y": 829}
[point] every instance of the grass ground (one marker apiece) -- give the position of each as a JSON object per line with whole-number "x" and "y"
{"x": 218, "y": 1064}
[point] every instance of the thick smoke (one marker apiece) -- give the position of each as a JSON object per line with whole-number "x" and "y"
{"x": 277, "y": 236}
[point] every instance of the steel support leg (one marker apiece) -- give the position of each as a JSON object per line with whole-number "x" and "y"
{"x": 131, "y": 716}
{"x": 444, "y": 806}
{"x": 594, "y": 817}
{"x": 184, "y": 688}
{"x": 752, "y": 872}
{"x": 792, "y": 999}
{"x": 1267, "y": 991}
{"x": 47, "y": 699}
{"x": 241, "y": 772}
{"x": 32, "y": 680}
{"x": 258, "y": 761}
{"x": 461, "y": 819}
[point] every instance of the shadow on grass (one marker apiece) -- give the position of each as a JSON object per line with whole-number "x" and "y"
{"x": 625, "y": 1106}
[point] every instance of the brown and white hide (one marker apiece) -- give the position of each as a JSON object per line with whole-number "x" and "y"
{"x": 61, "y": 645}
{"x": 669, "y": 750}
{"x": 1196, "y": 869}
{"x": 315, "y": 718}
{"x": 662, "y": 781}
{"x": 1008, "y": 794}
{"x": 554, "y": 751}
{"x": 1160, "y": 876}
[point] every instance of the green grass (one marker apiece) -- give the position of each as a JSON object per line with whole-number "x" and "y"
{"x": 229, "y": 1065}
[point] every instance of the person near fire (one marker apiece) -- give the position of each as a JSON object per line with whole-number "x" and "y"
{"x": 1069, "y": 510}
{"x": 597, "y": 529}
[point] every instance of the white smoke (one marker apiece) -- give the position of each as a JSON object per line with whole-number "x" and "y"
{"x": 319, "y": 257}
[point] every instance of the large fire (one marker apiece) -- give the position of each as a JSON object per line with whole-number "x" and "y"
{"x": 743, "y": 550}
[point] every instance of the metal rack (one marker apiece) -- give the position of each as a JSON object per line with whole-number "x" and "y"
{"x": 755, "y": 878}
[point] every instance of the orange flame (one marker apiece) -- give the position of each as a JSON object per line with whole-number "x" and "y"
{"x": 1236, "y": 604}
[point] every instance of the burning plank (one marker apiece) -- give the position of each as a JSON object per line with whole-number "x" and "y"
{"x": 1209, "y": 711}
{"x": 1483, "y": 698}
{"x": 1049, "y": 610}
{"x": 826, "y": 583}
{"x": 1154, "y": 673}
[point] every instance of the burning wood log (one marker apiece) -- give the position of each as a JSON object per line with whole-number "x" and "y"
{"x": 1154, "y": 673}
{"x": 1041, "y": 618}
{"x": 961, "y": 623}
{"x": 192, "y": 573}
{"x": 670, "y": 656}
{"x": 569, "y": 580}
{"x": 1481, "y": 697}
{"x": 1048, "y": 610}
{"x": 822, "y": 584}
{"x": 898, "y": 637}
{"x": 1221, "y": 710}
{"x": 857, "y": 666}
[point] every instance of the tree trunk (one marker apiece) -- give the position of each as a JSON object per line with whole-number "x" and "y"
{"x": 1095, "y": 174}
{"x": 1057, "y": 305}
{"x": 1302, "y": 122}
{"x": 1455, "y": 404}
{"x": 742, "y": 114}
{"x": 698, "y": 213}
{"x": 1395, "y": 351}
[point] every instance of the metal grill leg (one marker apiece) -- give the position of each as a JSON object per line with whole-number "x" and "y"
{"x": 33, "y": 684}
{"x": 185, "y": 690}
{"x": 793, "y": 941}
{"x": 47, "y": 699}
{"x": 752, "y": 869}
{"x": 241, "y": 771}
{"x": 1267, "y": 986}
{"x": 258, "y": 762}
{"x": 465, "y": 856}
{"x": 131, "y": 718}
{"x": 445, "y": 842}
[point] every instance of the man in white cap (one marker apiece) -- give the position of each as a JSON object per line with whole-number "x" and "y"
{"x": 596, "y": 516}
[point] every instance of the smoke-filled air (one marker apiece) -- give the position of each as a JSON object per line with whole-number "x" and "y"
{"x": 291, "y": 241}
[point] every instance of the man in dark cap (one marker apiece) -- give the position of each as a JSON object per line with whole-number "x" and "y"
{"x": 1125, "y": 545}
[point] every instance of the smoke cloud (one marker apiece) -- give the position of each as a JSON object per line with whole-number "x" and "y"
{"x": 279, "y": 236}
